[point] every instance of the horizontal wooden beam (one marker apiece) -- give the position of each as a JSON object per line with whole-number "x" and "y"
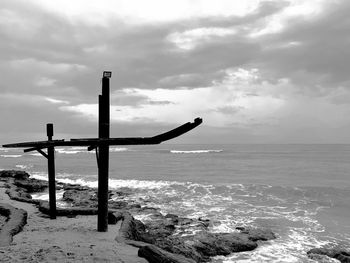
{"x": 33, "y": 145}
{"x": 94, "y": 142}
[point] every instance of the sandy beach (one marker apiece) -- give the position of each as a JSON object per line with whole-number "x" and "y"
{"x": 64, "y": 239}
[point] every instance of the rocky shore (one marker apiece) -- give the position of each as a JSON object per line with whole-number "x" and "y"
{"x": 158, "y": 237}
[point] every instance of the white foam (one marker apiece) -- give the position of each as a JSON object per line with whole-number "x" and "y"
{"x": 11, "y": 155}
{"x": 64, "y": 151}
{"x": 40, "y": 176}
{"x": 290, "y": 249}
{"x": 45, "y": 196}
{"x": 196, "y": 151}
{"x": 79, "y": 148}
{"x": 23, "y": 166}
{"x": 113, "y": 183}
{"x": 3, "y": 149}
{"x": 36, "y": 154}
{"x": 118, "y": 149}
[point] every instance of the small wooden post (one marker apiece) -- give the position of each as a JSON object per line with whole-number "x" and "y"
{"x": 51, "y": 172}
{"x": 103, "y": 156}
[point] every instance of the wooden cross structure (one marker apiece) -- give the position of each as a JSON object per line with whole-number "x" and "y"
{"x": 101, "y": 145}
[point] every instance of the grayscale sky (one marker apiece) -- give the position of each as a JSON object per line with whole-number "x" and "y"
{"x": 255, "y": 71}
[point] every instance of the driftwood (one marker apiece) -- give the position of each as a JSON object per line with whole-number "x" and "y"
{"x": 155, "y": 254}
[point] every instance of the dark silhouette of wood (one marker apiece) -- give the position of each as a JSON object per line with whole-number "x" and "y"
{"x": 101, "y": 145}
{"x": 103, "y": 157}
{"x": 94, "y": 142}
{"x": 51, "y": 172}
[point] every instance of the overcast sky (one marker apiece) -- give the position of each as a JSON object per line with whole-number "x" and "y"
{"x": 255, "y": 71}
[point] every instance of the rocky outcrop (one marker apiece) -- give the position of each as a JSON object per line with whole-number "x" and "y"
{"x": 82, "y": 198}
{"x": 44, "y": 207}
{"x": 31, "y": 185}
{"x": 337, "y": 253}
{"x": 16, "y": 219}
{"x": 21, "y": 175}
{"x": 19, "y": 185}
{"x": 198, "y": 247}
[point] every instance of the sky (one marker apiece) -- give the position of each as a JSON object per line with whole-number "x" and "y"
{"x": 255, "y": 71}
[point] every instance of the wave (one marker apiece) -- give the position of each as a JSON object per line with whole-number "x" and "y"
{"x": 3, "y": 149}
{"x": 118, "y": 149}
{"x": 24, "y": 166}
{"x": 35, "y": 154}
{"x": 196, "y": 151}
{"x": 11, "y": 155}
{"x": 113, "y": 183}
{"x": 73, "y": 150}
{"x": 76, "y": 150}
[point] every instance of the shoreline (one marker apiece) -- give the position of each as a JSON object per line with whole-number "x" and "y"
{"x": 63, "y": 240}
{"x": 72, "y": 237}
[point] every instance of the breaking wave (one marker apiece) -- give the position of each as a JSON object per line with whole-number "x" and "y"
{"x": 24, "y": 166}
{"x": 10, "y": 155}
{"x": 196, "y": 151}
{"x": 113, "y": 183}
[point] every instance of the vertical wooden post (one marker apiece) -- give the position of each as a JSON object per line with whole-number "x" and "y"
{"x": 103, "y": 150}
{"x": 51, "y": 172}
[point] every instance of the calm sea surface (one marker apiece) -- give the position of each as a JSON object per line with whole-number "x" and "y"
{"x": 301, "y": 192}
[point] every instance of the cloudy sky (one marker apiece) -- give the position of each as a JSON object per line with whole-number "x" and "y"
{"x": 255, "y": 71}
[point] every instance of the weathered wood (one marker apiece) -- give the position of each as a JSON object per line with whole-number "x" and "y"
{"x": 155, "y": 254}
{"x": 94, "y": 142}
{"x": 51, "y": 172}
{"x": 35, "y": 145}
{"x": 103, "y": 157}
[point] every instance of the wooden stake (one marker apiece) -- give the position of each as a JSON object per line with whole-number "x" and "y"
{"x": 51, "y": 172}
{"x": 103, "y": 157}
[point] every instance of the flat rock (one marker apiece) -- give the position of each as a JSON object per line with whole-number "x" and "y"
{"x": 337, "y": 253}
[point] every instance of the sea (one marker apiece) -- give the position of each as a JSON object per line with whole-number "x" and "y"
{"x": 300, "y": 192}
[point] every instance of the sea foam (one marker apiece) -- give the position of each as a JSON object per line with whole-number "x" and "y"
{"x": 11, "y": 155}
{"x": 195, "y": 151}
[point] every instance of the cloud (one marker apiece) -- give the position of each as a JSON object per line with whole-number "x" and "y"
{"x": 313, "y": 53}
{"x": 255, "y": 69}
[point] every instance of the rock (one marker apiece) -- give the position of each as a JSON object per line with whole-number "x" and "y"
{"x": 112, "y": 219}
{"x": 256, "y": 234}
{"x": 210, "y": 244}
{"x": 154, "y": 254}
{"x": 337, "y": 253}
{"x": 122, "y": 192}
{"x": 177, "y": 245}
{"x": 173, "y": 217}
{"x": 44, "y": 207}
{"x": 73, "y": 187}
{"x": 80, "y": 198}
{"x": 19, "y": 194}
{"x": 16, "y": 219}
{"x": 118, "y": 204}
{"x": 31, "y": 185}
{"x": 22, "y": 175}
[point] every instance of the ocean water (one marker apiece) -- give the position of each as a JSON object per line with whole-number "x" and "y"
{"x": 301, "y": 192}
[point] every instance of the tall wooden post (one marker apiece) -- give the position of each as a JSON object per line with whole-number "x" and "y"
{"x": 103, "y": 156}
{"x": 51, "y": 172}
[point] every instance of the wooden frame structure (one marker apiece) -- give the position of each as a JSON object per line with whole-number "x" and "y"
{"x": 101, "y": 145}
